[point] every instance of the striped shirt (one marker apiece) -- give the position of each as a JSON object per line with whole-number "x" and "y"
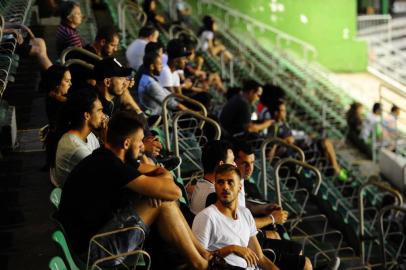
{"x": 67, "y": 36}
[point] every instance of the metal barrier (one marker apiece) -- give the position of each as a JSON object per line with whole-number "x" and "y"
{"x": 275, "y": 141}
{"x": 373, "y": 181}
{"x": 79, "y": 50}
{"x": 301, "y": 164}
{"x": 252, "y": 23}
{"x": 123, "y": 7}
{"x": 165, "y": 113}
{"x": 381, "y": 230}
{"x": 203, "y": 119}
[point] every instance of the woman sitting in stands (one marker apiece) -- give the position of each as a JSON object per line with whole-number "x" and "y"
{"x": 56, "y": 82}
{"x": 208, "y": 43}
{"x": 66, "y": 34}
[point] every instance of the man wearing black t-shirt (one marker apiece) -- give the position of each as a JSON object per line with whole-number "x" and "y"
{"x": 109, "y": 190}
{"x": 236, "y": 114}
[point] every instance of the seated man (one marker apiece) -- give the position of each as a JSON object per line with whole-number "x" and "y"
{"x": 83, "y": 114}
{"x": 236, "y": 116}
{"x": 228, "y": 230}
{"x": 135, "y": 51}
{"x": 265, "y": 213}
{"x": 100, "y": 195}
{"x": 323, "y": 146}
{"x": 150, "y": 93}
{"x": 216, "y": 153}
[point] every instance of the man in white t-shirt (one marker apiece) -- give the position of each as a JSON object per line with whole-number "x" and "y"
{"x": 228, "y": 230}
{"x": 85, "y": 113}
{"x": 214, "y": 153}
{"x": 169, "y": 77}
{"x": 136, "y": 50}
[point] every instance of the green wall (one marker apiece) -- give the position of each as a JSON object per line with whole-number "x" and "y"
{"x": 329, "y": 25}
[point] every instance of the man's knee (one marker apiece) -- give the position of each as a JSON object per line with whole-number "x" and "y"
{"x": 38, "y": 46}
{"x": 308, "y": 264}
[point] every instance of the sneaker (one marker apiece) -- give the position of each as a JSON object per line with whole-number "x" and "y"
{"x": 342, "y": 176}
{"x": 170, "y": 162}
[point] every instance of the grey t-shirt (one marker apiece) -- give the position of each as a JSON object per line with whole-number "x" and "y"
{"x": 71, "y": 150}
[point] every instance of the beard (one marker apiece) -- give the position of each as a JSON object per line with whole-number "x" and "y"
{"x": 130, "y": 158}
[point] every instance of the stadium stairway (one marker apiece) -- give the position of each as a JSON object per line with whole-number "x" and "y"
{"x": 25, "y": 226}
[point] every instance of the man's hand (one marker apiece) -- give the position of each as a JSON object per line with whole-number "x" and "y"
{"x": 248, "y": 254}
{"x": 152, "y": 145}
{"x": 154, "y": 202}
{"x": 280, "y": 216}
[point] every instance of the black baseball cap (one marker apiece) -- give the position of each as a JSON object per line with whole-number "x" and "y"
{"x": 176, "y": 48}
{"x": 110, "y": 67}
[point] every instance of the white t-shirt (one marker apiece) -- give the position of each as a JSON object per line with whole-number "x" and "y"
{"x": 215, "y": 231}
{"x": 71, "y": 150}
{"x": 135, "y": 53}
{"x": 202, "y": 189}
{"x": 205, "y": 37}
{"x": 167, "y": 78}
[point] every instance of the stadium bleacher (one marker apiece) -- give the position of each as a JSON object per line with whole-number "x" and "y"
{"x": 360, "y": 220}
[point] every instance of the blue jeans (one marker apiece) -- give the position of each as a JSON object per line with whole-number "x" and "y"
{"x": 120, "y": 242}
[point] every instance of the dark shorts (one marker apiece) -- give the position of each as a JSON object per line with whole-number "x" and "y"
{"x": 121, "y": 242}
{"x": 286, "y": 252}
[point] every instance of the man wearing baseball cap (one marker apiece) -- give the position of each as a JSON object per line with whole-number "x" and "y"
{"x": 169, "y": 77}
{"x": 112, "y": 82}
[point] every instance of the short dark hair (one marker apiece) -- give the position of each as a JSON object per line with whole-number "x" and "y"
{"x": 78, "y": 102}
{"x": 394, "y": 108}
{"x": 107, "y": 32}
{"x": 214, "y": 152}
{"x": 242, "y": 146}
{"x": 270, "y": 94}
{"x": 225, "y": 168}
{"x": 250, "y": 85}
{"x": 121, "y": 126}
{"x": 52, "y": 77}
{"x": 377, "y": 107}
{"x": 153, "y": 47}
{"x": 275, "y": 106}
{"x": 208, "y": 23}
{"x": 146, "y": 31}
{"x": 149, "y": 59}
{"x": 65, "y": 9}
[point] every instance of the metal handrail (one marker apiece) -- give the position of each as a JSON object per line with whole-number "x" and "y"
{"x": 165, "y": 113}
{"x": 80, "y": 50}
{"x": 79, "y": 62}
{"x": 372, "y": 181}
{"x": 203, "y": 119}
{"x": 299, "y": 163}
{"x": 381, "y": 229}
{"x": 275, "y": 141}
{"x": 278, "y": 33}
{"x": 124, "y": 6}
